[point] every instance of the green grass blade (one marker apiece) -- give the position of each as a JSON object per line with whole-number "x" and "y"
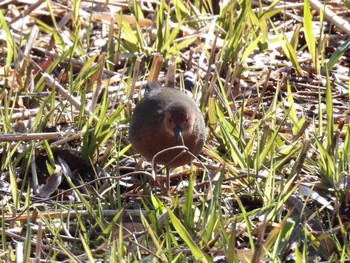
{"x": 337, "y": 54}
{"x": 196, "y": 251}
{"x": 187, "y": 208}
{"x": 329, "y": 111}
{"x": 11, "y": 49}
{"x": 287, "y": 48}
{"x": 309, "y": 35}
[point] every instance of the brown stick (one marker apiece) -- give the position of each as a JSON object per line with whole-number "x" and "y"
{"x": 155, "y": 68}
{"x": 30, "y": 136}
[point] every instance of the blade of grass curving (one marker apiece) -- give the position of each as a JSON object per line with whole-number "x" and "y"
{"x": 345, "y": 249}
{"x": 269, "y": 13}
{"x": 315, "y": 242}
{"x": 198, "y": 254}
{"x": 309, "y": 35}
{"x": 274, "y": 138}
{"x": 250, "y": 147}
{"x": 177, "y": 258}
{"x": 11, "y": 151}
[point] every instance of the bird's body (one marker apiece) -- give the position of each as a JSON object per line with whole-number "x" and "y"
{"x": 164, "y": 118}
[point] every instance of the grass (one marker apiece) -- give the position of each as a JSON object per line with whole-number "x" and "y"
{"x": 272, "y": 182}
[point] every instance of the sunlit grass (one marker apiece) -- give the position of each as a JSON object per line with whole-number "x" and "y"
{"x": 271, "y": 184}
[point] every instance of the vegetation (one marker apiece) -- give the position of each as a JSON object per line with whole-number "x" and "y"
{"x": 272, "y": 80}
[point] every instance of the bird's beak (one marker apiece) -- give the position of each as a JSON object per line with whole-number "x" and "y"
{"x": 178, "y": 135}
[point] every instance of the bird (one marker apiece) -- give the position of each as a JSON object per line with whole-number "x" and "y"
{"x": 167, "y": 127}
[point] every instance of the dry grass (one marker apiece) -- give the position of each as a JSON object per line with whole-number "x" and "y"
{"x": 272, "y": 80}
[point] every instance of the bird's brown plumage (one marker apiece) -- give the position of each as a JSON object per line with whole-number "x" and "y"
{"x": 164, "y": 118}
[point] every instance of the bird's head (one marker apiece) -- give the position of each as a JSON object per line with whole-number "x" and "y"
{"x": 179, "y": 120}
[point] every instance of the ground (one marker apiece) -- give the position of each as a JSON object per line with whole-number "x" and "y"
{"x": 271, "y": 79}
